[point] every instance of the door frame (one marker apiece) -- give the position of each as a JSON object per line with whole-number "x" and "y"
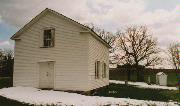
{"x": 38, "y": 65}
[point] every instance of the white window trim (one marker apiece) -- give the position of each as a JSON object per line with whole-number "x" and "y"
{"x": 42, "y": 37}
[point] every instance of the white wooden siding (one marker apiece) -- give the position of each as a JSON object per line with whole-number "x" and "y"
{"x": 74, "y": 56}
{"x": 70, "y": 55}
{"x": 99, "y": 52}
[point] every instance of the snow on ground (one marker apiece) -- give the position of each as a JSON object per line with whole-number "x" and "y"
{"x": 48, "y": 97}
{"x": 144, "y": 85}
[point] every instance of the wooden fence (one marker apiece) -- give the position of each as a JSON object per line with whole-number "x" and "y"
{"x": 122, "y": 74}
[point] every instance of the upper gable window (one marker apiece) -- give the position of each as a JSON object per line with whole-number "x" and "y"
{"x": 48, "y": 37}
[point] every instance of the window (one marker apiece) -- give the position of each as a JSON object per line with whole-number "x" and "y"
{"x": 97, "y": 69}
{"x": 48, "y": 38}
{"x": 104, "y": 70}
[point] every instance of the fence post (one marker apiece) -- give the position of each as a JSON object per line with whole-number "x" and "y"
{"x": 149, "y": 80}
{"x": 126, "y": 82}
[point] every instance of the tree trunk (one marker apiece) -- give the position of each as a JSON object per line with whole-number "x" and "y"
{"x": 129, "y": 74}
{"x": 140, "y": 74}
{"x": 137, "y": 71}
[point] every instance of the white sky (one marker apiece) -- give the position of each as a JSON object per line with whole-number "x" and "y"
{"x": 161, "y": 16}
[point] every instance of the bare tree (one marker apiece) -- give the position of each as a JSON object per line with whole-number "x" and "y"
{"x": 6, "y": 62}
{"x": 174, "y": 54}
{"x": 173, "y": 51}
{"x": 1, "y": 61}
{"x": 105, "y": 35}
{"x": 137, "y": 47}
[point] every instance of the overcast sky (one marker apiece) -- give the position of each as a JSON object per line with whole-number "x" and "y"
{"x": 161, "y": 16}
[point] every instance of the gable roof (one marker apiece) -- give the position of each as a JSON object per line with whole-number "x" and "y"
{"x": 44, "y": 12}
{"x": 160, "y": 73}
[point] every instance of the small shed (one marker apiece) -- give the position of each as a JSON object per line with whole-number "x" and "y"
{"x": 161, "y": 78}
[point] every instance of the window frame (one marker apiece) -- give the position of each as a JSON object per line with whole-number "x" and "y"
{"x": 104, "y": 70}
{"x": 51, "y": 40}
{"x": 97, "y": 69}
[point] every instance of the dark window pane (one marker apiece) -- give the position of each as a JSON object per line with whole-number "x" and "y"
{"x": 48, "y": 38}
{"x": 97, "y": 69}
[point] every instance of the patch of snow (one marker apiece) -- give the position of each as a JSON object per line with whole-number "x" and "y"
{"x": 48, "y": 97}
{"x": 144, "y": 85}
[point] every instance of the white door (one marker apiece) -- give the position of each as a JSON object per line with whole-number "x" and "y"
{"x": 46, "y": 74}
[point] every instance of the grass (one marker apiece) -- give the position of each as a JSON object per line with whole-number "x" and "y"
{"x": 8, "y": 102}
{"x": 122, "y": 91}
{"x": 5, "y": 82}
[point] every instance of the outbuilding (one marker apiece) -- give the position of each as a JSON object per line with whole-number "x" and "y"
{"x": 161, "y": 78}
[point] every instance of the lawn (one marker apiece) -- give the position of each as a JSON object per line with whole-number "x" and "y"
{"x": 5, "y": 82}
{"x": 8, "y": 102}
{"x": 122, "y": 91}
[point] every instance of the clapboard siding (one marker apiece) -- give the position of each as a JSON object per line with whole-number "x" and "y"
{"x": 70, "y": 55}
{"x": 97, "y": 51}
{"x": 74, "y": 55}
